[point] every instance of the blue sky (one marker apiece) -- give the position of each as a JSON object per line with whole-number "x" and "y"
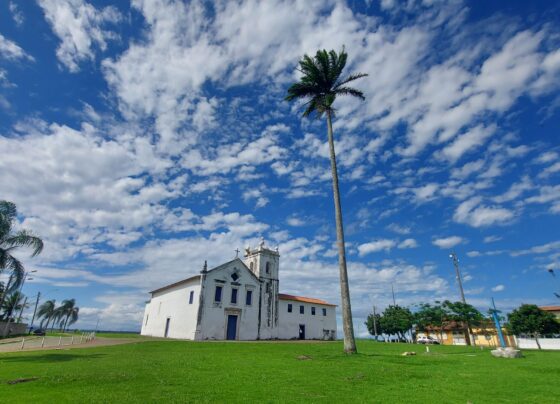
{"x": 142, "y": 138}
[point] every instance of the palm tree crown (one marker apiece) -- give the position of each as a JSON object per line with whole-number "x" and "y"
{"x": 321, "y": 81}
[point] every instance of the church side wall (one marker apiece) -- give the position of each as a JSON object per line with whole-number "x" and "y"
{"x": 214, "y": 315}
{"x": 316, "y": 326}
{"x": 172, "y": 303}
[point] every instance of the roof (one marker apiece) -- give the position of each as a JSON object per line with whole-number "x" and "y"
{"x": 550, "y": 308}
{"x": 192, "y": 278}
{"x": 302, "y": 299}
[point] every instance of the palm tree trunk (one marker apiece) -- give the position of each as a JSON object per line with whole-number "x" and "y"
{"x": 347, "y": 325}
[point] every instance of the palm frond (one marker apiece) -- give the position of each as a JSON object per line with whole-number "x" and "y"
{"x": 350, "y": 91}
{"x": 350, "y": 78}
{"x": 24, "y": 238}
{"x": 8, "y": 210}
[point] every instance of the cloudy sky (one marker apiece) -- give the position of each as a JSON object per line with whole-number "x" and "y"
{"x": 142, "y": 138}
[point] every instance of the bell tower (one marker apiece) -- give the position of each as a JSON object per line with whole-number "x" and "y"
{"x": 264, "y": 263}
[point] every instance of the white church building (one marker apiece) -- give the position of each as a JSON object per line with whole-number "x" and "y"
{"x": 238, "y": 300}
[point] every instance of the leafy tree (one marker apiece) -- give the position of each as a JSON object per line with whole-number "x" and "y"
{"x": 46, "y": 311}
{"x": 370, "y": 324}
{"x": 431, "y": 316}
{"x": 12, "y": 304}
{"x": 68, "y": 311}
{"x": 396, "y": 320}
{"x": 9, "y": 241}
{"x": 465, "y": 314}
{"x": 320, "y": 84}
{"x": 530, "y": 320}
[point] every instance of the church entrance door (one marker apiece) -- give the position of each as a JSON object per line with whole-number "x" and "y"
{"x": 231, "y": 327}
{"x": 302, "y": 331}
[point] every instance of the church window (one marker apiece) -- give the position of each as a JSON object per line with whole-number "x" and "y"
{"x": 289, "y": 307}
{"x": 324, "y": 312}
{"x": 218, "y": 294}
{"x": 249, "y": 298}
{"x": 301, "y": 309}
{"x": 251, "y": 265}
{"x": 234, "y": 276}
{"x": 267, "y": 268}
{"x": 313, "y": 311}
{"x": 191, "y": 297}
{"x": 234, "y": 296}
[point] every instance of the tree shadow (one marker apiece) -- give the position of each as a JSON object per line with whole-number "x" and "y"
{"x": 48, "y": 358}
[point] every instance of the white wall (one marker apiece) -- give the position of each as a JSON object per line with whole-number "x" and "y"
{"x": 172, "y": 303}
{"x": 214, "y": 315}
{"x": 546, "y": 343}
{"x": 314, "y": 324}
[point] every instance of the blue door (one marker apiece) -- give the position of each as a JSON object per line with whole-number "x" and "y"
{"x": 231, "y": 327}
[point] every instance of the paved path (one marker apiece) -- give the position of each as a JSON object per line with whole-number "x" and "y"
{"x": 33, "y": 343}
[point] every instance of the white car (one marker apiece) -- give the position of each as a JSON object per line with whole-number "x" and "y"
{"x": 427, "y": 340}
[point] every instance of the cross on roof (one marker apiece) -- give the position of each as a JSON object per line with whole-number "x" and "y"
{"x": 237, "y": 253}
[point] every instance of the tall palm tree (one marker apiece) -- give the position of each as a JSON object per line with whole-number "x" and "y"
{"x": 73, "y": 316}
{"x": 11, "y": 305}
{"x": 66, "y": 311}
{"x": 321, "y": 83}
{"x": 46, "y": 312}
{"x": 11, "y": 240}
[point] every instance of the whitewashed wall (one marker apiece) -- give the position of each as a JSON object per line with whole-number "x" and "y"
{"x": 546, "y": 343}
{"x": 314, "y": 324}
{"x": 172, "y": 303}
{"x": 214, "y": 315}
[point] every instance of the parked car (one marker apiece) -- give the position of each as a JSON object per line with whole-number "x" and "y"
{"x": 427, "y": 340}
{"x": 39, "y": 331}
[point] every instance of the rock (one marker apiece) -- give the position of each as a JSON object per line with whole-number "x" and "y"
{"x": 408, "y": 354}
{"x": 508, "y": 352}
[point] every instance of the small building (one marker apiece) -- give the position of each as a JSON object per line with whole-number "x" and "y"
{"x": 552, "y": 309}
{"x": 238, "y": 300}
{"x": 453, "y": 333}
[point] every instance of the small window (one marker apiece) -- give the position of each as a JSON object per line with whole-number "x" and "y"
{"x": 301, "y": 310}
{"x": 251, "y": 265}
{"x": 147, "y": 316}
{"x": 234, "y": 276}
{"x": 234, "y": 296}
{"x": 289, "y": 307}
{"x": 249, "y": 298}
{"x": 312, "y": 311}
{"x": 218, "y": 294}
{"x": 191, "y": 297}
{"x": 324, "y": 312}
{"x": 267, "y": 267}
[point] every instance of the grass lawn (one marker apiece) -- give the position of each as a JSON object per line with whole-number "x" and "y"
{"x": 177, "y": 371}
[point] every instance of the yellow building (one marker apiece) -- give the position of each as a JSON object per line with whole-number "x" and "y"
{"x": 454, "y": 334}
{"x": 552, "y": 309}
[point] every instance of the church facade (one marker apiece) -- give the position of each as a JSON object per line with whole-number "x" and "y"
{"x": 238, "y": 300}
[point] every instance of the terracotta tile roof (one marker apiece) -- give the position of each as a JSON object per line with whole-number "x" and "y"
{"x": 550, "y": 308}
{"x": 192, "y": 278}
{"x": 302, "y": 299}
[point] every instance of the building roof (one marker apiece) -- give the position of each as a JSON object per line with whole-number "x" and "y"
{"x": 302, "y": 299}
{"x": 192, "y": 278}
{"x": 550, "y": 308}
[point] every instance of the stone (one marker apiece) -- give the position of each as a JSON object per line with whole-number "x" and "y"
{"x": 508, "y": 352}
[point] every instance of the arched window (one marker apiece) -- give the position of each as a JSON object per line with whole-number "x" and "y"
{"x": 267, "y": 269}
{"x": 251, "y": 265}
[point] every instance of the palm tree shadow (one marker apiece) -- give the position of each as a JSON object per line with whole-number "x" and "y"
{"x": 49, "y": 358}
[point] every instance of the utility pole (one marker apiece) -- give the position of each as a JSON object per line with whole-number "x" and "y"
{"x": 35, "y": 311}
{"x": 393, "y": 291}
{"x": 458, "y": 275}
{"x": 495, "y": 312}
{"x": 374, "y": 323}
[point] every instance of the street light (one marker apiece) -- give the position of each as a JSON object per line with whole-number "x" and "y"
{"x": 453, "y": 256}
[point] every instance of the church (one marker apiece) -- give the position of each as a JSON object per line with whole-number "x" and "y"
{"x": 238, "y": 300}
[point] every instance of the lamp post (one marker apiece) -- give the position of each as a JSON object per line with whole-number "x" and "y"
{"x": 453, "y": 256}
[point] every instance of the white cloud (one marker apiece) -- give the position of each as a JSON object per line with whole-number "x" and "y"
{"x": 80, "y": 27}
{"x": 377, "y": 245}
{"x": 498, "y": 288}
{"x": 395, "y": 227}
{"x": 408, "y": 243}
{"x": 17, "y": 15}
{"x": 448, "y": 242}
{"x": 475, "y": 214}
{"x": 11, "y": 51}
{"x": 467, "y": 141}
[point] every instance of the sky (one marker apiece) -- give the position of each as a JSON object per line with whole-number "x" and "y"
{"x": 141, "y": 138}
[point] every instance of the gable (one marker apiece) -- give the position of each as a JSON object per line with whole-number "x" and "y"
{"x": 233, "y": 271}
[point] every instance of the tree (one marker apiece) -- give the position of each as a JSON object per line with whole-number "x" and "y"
{"x": 9, "y": 241}
{"x": 396, "y": 320}
{"x": 374, "y": 328}
{"x": 465, "y": 314}
{"x": 530, "y": 320}
{"x": 67, "y": 310}
{"x": 320, "y": 84}
{"x": 429, "y": 317}
{"x": 46, "y": 311}
{"x": 11, "y": 305}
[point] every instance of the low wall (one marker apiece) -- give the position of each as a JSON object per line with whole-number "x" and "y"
{"x": 546, "y": 343}
{"x": 15, "y": 328}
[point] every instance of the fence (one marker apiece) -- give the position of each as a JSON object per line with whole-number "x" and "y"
{"x": 34, "y": 342}
{"x": 530, "y": 343}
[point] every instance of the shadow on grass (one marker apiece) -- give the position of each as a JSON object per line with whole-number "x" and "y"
{"x": 48, "y": 358}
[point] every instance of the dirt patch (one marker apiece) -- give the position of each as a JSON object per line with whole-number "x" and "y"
{"x": 304, "y": 358}
{"x": 22, "y": 380}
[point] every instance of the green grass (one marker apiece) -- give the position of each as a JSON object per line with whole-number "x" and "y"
{"x": 119, "y": 335}
{"x": 177, "y": 371}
